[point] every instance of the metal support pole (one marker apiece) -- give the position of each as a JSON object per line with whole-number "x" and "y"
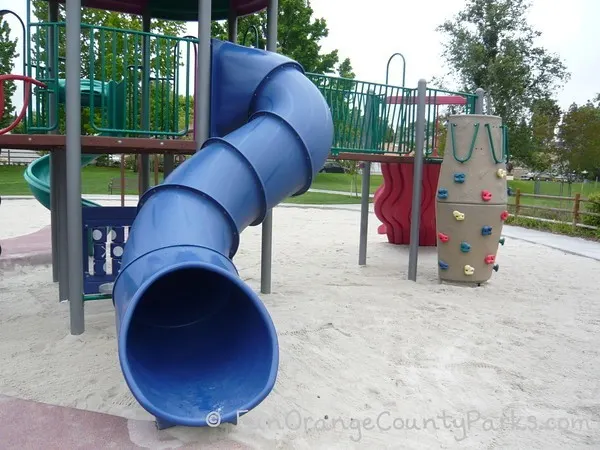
{"x": 480, "y": 93}
{"x": 364, "y": 213}
{"x": 202, "y": 95}
{"x": 60, "y": 158}
{"x": 232, "y": 27}
{"x": 73, "y": 150}
{"x": 367, "y": 141}
{"x": 168, "y": 164}
{"x": 145, "y": 159}
{"x": 266, "y": 256}
{"x": 54, "y": 163}
{"x": 415, "y": 220}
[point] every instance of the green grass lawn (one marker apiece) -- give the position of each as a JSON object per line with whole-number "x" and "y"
{"x": 95, "y": 180}
{"x": 343, "y": 182}
{"x": 554, "y": 189}
{"x": 317, "y": 198}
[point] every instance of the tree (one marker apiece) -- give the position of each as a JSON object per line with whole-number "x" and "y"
{"x": 298, "y": 37}
{"x": 8, "y": 53}
{"x": 545, "y": 115}
{"x": 580, "y": 138}
{"x": 489, "y": 44}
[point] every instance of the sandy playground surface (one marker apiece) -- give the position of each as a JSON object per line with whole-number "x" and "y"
{"x": 368, "y": 359}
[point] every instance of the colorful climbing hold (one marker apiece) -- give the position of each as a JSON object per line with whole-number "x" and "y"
{"x": 443, "y": 265}
{"x": 486, "y": 230}
{"x": 458, "y": 215}
{"x": 486, "y": 196}
{"x": 442, "y": 194}
{"x": 465, "y": 247}
{"x": 501, "y": 240}
{"x": 443, "y": 237}
{"x": 469, "y": 270}
{"x": 504, "y": 215}
{"x": 501, "y": 173}
{"x": 496, "y": 267}
{"x": 490, "y": 259}
{"x": 459, "y": 177}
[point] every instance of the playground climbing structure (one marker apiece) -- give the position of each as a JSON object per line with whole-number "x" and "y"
{"x": 471, "y": 199}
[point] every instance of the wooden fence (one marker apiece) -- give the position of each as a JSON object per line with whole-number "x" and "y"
{"x": 17, "y": 157}
{"x": 576, "y": 212}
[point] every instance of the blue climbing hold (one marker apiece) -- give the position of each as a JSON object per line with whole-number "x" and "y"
{"x": 465, "y": 247}
{"x": 443, "y": 265}
{"x": 459, "y": 177}
{"x": 486, "y": 230}
{"x": 442, "y": 193}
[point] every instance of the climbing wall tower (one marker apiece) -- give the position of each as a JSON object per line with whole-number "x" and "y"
{"x": 471, "y": 199}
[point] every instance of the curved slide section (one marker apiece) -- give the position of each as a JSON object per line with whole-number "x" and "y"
{"x": 196, "y": 344}
{"x": 37, "y": 176}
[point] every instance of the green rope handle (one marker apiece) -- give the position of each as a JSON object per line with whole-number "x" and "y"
{"x": 472, "y": 144}
{"x": 489, "y": 131}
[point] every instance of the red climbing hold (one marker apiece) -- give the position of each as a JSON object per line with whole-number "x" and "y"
{"x": 443, "y": 237}
{"x": 486, "y": 196}
{"x": 490, "y": 259}
{"x": 504, "y": 215}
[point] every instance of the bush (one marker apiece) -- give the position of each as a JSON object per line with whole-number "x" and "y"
{"x": 593, "y": 206}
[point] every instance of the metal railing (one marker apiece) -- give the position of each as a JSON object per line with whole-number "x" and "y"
{"x": 379, "y": 118}
{"x": 120, "y": 95}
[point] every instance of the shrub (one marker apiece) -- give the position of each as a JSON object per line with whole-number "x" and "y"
{"x": 593, "y": 206}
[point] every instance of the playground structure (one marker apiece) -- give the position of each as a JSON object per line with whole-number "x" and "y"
{"x": 144, "y": 94}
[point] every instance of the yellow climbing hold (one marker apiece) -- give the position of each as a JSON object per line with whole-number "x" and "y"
{"x": 501, "y": 173}
{"x": 469, "y": 270}
{"x": 458, "y": 215}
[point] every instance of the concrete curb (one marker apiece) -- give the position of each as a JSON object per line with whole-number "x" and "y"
{"x": 516, "y": 232}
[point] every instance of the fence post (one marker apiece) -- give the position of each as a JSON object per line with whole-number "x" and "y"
{"x": 576, "y": 207}
{"x": 9, "y": 156}
{"x": 517, "y": 202}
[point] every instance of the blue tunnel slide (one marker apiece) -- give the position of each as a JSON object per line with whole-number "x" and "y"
{"x": 193, "y": 338}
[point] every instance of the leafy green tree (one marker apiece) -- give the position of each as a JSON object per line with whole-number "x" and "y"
{"x": 299, "y": 35}
{"x": 8, "y": 53}
{"x": 580, "y": 138}
{"x": 544, "y": 126}
{"x": 489, "y": 44}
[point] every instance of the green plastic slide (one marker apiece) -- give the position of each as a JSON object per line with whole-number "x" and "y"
{"x": 37, "y": 174}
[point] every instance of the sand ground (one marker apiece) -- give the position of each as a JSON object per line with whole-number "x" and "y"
{"x": 368, "y": 359}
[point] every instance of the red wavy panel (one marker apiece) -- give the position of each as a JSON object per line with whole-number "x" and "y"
{"x": 393, "y": 203}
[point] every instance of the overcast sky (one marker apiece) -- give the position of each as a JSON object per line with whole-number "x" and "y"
{"x": 370, "y": 32}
